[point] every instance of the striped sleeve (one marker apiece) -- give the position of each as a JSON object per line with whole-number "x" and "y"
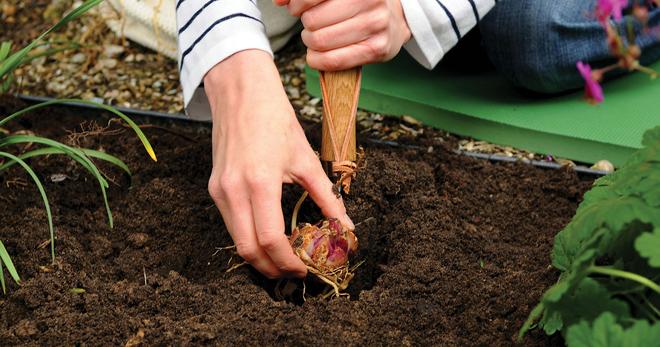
{"x": 437, "y": 25}
{"x": 209, "y": 31}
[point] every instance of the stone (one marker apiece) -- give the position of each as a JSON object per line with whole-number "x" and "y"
{"x": 78, "y": 58}
{"x": 112, "y": 51}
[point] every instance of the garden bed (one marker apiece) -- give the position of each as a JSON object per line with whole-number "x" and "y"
{"x": 456, "y": 248}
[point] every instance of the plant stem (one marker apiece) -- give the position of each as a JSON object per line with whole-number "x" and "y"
{"x": 651, "y": 306}
{"x": 647, "y": 71}
{"x": 627, "y": 275}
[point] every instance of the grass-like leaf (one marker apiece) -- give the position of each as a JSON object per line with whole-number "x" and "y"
{"x": 44, "y": 197}
{"x": 13, "y": 61}
{"x": 55, "y": 151}
{"x": 5, "y": 259}
{"x": 5, "y": 48}
{"x": 74, "y": 153}
{"x": 2, "y": 276}
{"x": 128, "y": 120}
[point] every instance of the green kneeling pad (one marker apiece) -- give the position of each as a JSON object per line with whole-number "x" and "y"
{"x": 485, "y": 106}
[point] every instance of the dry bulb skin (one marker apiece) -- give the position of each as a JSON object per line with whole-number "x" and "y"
{"x": 326, "y": 248}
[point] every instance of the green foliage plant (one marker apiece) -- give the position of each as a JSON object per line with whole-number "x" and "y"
{"x": 8, "y": 63}
{"x": 609, "y": 257}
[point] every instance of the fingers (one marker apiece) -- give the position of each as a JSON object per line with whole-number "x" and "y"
{"x": 338, "y": 35}
{"x": 269, "y": 223}
{"x": 321, "y": 190}
{"x": 370, "y": 51}
{"x": 281, "y": 2}
{"x": 329, "y": 13}
{"x": 237, "y": 214}
{"x": 298, "y": 7}
{"x": 243, "y": 233}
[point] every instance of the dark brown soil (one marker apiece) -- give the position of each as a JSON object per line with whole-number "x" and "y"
{"x": 456, "y": 249}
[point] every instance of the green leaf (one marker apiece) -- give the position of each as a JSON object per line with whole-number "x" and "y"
{"x": 16, "y": 59}
{"x": 610, "y": 250}
{"x": 642, "y": 334}
{"x": 529, "y": 323}
{"x": 128, "y": 120}
{"x": 605, "y": 332}
{"x": 53, "y": 151}
{"x": 605, "y": 220}
{"x": 4, "y": 258}
{"x": 586, "y": 301}
{"x": 642, "y": 180}
{"x": 5, "y": 48}
{"x": 2, "y": 279}
{"x": 648, "y": 246}
{"x": 651, "y": 137}
{"x": 44, "y": 197}
{"x": 75, "y": 154}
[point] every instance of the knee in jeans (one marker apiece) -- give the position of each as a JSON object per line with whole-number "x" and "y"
{"x": 522, "y": 39}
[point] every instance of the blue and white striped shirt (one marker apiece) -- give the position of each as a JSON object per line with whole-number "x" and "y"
{"x": 212, "y": 30}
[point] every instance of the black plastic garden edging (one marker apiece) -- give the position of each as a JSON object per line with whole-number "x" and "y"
{"x": 183, "y": 117}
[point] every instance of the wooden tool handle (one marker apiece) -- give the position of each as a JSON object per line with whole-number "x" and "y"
{"x": 341, "y": 88}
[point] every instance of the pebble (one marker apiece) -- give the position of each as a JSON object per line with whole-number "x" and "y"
{"x": 78, "y": 58}
{"x": 293, "y": 92}
{"x": 109, "y": 63}
{"x": 26, "y": 328}
{"x": 8, "y": 10}
{"x": 157, "y": 85}
{"x": 138, "y": 240}
{"x": 56, "y": 178}
{"x": 410, "y": 120}
{"x": 56, "y": 87}
{"x": 603, "y": 165}
{"x": 112, "y": 51}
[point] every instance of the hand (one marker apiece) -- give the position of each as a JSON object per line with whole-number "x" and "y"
{"x": 341, "y": 34}
{"x": 258, "y": 145}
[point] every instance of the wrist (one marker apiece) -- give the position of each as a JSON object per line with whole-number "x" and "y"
{"x": 243, "y": 77}
{"x": 406, "y": 33}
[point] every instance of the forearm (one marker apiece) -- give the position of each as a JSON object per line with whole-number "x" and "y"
{"x": 210, "y": 32}
{"x": 241, "y": 80}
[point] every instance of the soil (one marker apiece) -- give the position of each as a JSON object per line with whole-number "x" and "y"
{"x": 456, "y": 249}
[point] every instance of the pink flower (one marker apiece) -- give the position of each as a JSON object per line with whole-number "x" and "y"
{"x": 593, "y": 92}
{"x": 610, "y": 8}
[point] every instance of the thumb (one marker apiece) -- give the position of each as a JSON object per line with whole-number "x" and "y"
{"x": 322, "y": 191}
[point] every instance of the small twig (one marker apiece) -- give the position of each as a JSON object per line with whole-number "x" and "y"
{"x": 144, "y": 271}
{"x": 236, "y": 266}
{"x": 219, "y": 249}
{"x": 43, "y": 244}
{"x": 365, "y": 221}
{"x": 16, "y": 182}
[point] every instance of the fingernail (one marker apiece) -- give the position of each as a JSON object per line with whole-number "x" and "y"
{"x": 349, "y": 222}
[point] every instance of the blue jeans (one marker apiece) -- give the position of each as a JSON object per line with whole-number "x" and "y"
{"x": 536, "y": 43}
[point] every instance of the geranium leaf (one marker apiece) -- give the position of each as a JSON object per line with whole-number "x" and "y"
{"x": 648, "y": 246}
{"x": 605, "y": 332}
